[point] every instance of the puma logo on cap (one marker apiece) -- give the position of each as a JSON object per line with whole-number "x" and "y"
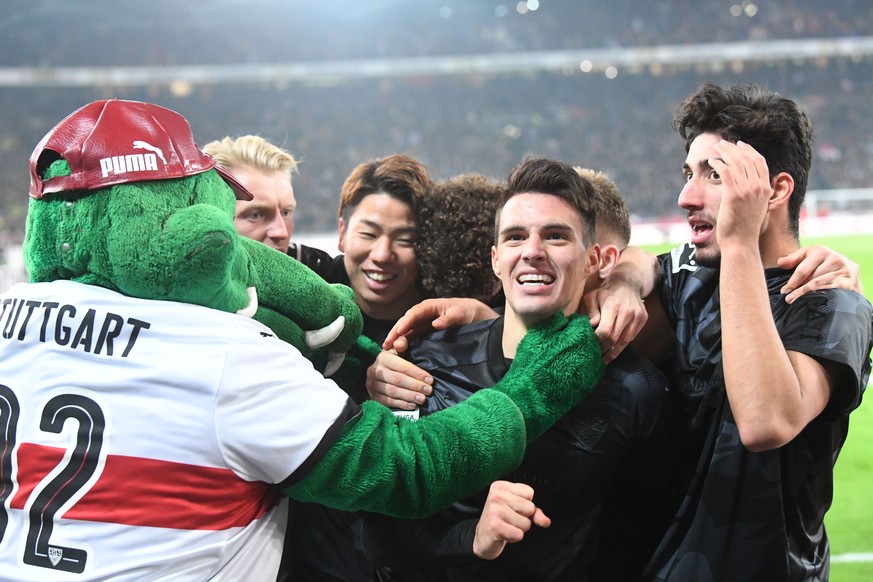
{"x": 133, "y": 162}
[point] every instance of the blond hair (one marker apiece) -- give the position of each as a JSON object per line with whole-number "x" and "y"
{"x": 251, "y": 151}
{"x": 612, "y": 214}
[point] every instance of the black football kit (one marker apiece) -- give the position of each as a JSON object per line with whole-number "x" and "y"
{"x": 600, "y": 474}
{"x": 746, "y": 515}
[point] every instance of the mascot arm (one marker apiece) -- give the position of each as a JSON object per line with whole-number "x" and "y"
{"x": 563, "y": 367}
{"x": 391, "y": 465}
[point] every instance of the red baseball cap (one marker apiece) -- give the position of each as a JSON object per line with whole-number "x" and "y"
{"x": 114, "y": 142}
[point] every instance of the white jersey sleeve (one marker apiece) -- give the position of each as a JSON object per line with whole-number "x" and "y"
{"x": 272, "y": 404}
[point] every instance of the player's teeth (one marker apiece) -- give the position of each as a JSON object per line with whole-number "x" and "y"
{"x": 545, "y": 279}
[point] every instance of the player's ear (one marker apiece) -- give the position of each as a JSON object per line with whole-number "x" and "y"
{"x": 342, "y": 235}
{"x": 609, "y": 255}
{"x": 783, "y": 187}
{"x": 495, "y": 263}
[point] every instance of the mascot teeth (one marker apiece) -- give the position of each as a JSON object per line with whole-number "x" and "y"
{"x": 250, "y": 309}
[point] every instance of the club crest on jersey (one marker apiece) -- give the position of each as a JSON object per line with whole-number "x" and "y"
{"x": 147, "y": 162}
{"x": 55, "y": 555}
{"x": 683, "y": 258}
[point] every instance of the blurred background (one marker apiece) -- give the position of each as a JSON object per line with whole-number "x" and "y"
{"x": 463, "y": 85}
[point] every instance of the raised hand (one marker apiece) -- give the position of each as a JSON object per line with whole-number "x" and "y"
{"x": 509, "y": 512}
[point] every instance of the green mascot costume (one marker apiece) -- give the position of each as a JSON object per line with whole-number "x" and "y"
{"x": 157, "y": 387}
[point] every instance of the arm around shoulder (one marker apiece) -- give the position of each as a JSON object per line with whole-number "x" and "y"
{"x": 389, "y": 465}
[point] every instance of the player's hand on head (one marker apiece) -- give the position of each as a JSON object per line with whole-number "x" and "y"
{"x": 509, "y": 512}
{"x": 818, "y": 267}
{"x": 397, "y": 383}
{"x": 436, "y": 314}
{"x": 746, "y": 188}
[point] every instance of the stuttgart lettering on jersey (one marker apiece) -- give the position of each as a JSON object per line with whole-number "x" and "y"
{"x": 93, "y": 332}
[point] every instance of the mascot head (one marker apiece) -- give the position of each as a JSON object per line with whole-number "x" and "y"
{"x": 115, "y": 142}
{"x": 122, "y": 197}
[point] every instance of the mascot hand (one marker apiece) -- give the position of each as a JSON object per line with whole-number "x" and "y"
{"x": 557, "y": 363}
{"x": 327, "y": 315}
{"x": 199, "y": 244}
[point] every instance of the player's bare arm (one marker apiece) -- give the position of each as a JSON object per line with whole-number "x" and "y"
{"x": 773, "y": 394}
{"x": 616, "y": 308}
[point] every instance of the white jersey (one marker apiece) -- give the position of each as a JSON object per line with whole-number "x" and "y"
{"x": 139, "y": 439}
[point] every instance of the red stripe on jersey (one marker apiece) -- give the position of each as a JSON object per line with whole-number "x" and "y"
{"x": 151, "y": 492}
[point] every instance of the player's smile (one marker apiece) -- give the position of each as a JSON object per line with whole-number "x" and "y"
{"x": 379, "y": 276}
{"x": 540, "y": 256}
{"x": 535, "y": 279}
{"x": 379, "y": 256}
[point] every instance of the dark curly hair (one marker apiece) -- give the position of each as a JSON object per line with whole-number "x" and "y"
{"x": 772, "y": 124}
{"x": 455, "y": 236}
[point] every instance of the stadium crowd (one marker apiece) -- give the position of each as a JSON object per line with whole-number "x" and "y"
{"x": 454, "y": 124}
{"x": 269, "y": 31}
